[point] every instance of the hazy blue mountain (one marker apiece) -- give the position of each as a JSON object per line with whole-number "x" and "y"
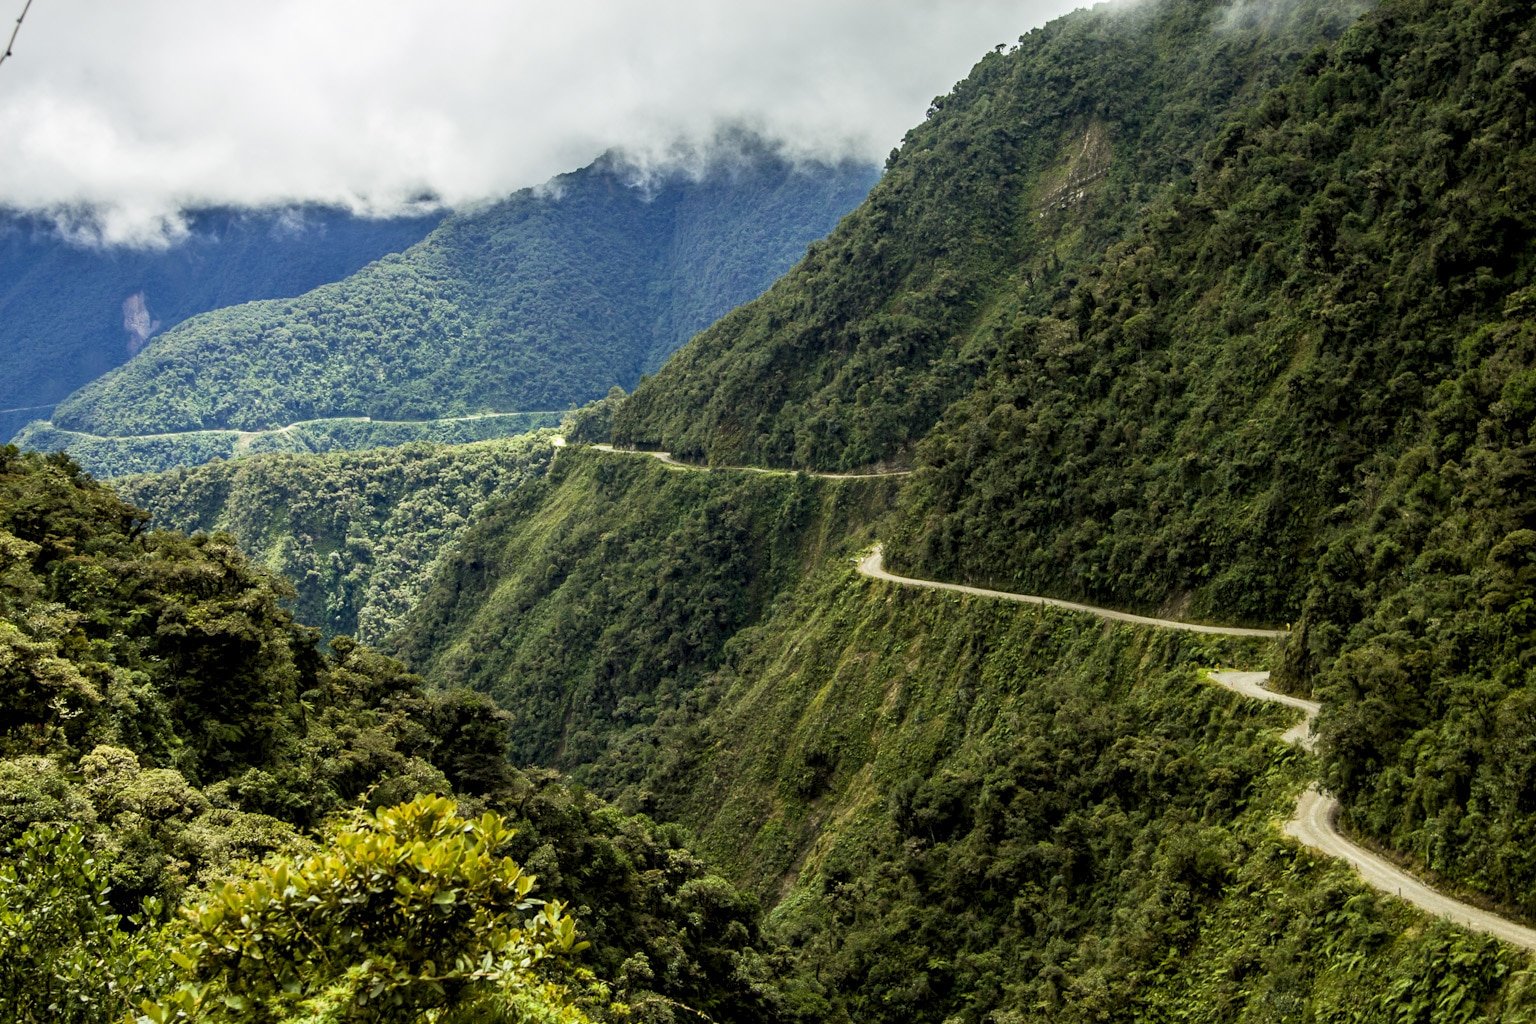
{"x": 70, "y": 312}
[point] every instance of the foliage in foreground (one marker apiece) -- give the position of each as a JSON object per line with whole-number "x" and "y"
{"x": 67, "y": 956}
{"x": 163, "y": 720}
{"x": 407, "y": 910}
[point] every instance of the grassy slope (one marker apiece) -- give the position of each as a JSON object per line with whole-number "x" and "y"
{"x": 964, "y": 807}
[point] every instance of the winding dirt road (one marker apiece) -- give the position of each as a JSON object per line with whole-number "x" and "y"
{"x": 1251, "y": 684}
{"x": 1315, "y": 825}
{"x": 873, "y": 566}
{"x": 1314, "y": 822}
{"x": 666, "y": 459}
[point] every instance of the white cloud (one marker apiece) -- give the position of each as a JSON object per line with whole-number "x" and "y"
{"x": 143, "y": 108}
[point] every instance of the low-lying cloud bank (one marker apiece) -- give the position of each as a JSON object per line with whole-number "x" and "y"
{"x": 124, "y": 114}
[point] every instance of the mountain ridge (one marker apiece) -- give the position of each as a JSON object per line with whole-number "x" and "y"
{"x": 64, "y": 303}
{"x": 542, "y": 301}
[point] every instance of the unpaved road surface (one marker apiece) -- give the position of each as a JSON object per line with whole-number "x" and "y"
{"x": 1251, "y": 684}
{"x": 873, "y": 566}
{"x": 667, "y": 459}
{"x": 1314, "y": 822}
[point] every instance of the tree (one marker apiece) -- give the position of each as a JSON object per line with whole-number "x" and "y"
{"x": 65, "y": 956}
{"x": 408, "y": 914}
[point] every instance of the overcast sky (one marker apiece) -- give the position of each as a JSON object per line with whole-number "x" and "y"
{"x": 143, "y": 107}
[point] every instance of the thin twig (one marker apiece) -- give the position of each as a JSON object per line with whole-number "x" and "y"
{"x": 25, "y": 8}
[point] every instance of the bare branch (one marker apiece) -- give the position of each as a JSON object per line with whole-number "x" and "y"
{"x": 25, "y": 8}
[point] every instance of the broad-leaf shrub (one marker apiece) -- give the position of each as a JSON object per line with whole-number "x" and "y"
{"x": 406, "y": 911}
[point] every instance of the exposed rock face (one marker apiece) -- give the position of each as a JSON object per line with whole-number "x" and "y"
{"x": 1085, "y": 162}
{"x": 137, "y": 321}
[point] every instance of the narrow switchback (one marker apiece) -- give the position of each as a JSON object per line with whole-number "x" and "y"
{"x": 1314, "y": 823}
{"x": 1251, "y": 684}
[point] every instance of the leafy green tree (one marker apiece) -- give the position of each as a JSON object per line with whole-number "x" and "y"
{"x": 66, "y": 957}
{"x": 410, "y": 913}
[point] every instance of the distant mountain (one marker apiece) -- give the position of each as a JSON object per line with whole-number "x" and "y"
{"x": 544, "y": 300}
{"x": 70, "y": 312}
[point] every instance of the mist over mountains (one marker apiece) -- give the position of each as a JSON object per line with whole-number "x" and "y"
{"x": 541, "y": 301}
{"x": 142, "y": 110}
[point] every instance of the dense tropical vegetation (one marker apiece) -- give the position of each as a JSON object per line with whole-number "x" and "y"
{"x": 1015, "y": 183}
{"x": 956, "y": 809}
{"x": 164, "y": 722}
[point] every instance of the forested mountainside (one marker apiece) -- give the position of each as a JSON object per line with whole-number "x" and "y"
{"x": 1282, "y": 379}
{"x": 164, "y": 719}
{"x": 70, "y": 312}
{"x": 1296, "y": 389}
{"x": 1004, "y": 196}
{"x": 358, "y": 534}
{"x": 539, "y": 302}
